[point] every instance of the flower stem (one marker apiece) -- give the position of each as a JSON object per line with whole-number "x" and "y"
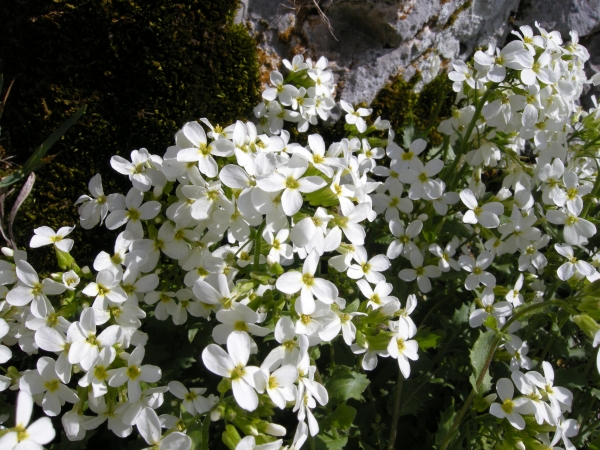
{"x": 594, "y": 193}
{"x": 453, "y": 178}
{"x": 396, "y": 416}
{"x": 525, "y": 311}
{"x": 258, "y": 244}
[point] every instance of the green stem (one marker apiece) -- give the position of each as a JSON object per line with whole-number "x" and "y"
{"x": 205, "y": 427}
{"x": 396, "y": 416}
{"x": 465, "y": 139}
{"x": 594, "y": 193}
{"x": 490, "y": 356}
{"x": 258, "y": 244}
{"x": 550, "y": 342}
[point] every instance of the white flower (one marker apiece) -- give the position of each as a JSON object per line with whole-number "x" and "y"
{"x": 238, "y": 318}
{"x": 45, "y": 380}
{"x": 509, "y": 408}
{"x": 500, "y": 309}
{"x": 572, "y": 196}
{"x": 192, "y": 398}
{"x": 195, "y": 148}
{"x": 24, "y": 437}
{"x": 136, "y": 169}
{"x": 310, "y": 287}
{"x": 514, "y": 296}
{"x": 518, "y": 350}
{"x": 420, "y": 272}
{"x": 29, "y": 289}
{"x": 379, "y": 296}
{"x": 573, "y": 265}
{"x": 46, "y": 236}
{"x": 289, "y": 180}
{"x": 355, "y": 117}
{"x": 477, "y": 269}
{"x": 418, "y": 176}
{"x": 249, "y": 443}
{"x": 403, "y": 243}
{"x": 543, "y": 412}
{"x": 370, "y": 269}
{"x": 289, "y": 350}
{"x": 129, "y": 210}
{"x": 233, "y": 366}
{"x": 318, "y": 158}
{"x": 401, "y": 348}
{"x": 280, "y": 384}
{"x": 52, "y": 340}
{"x": 98, "y": 375}
{"x": 446, "y": 261}
{"x": 566, "y": 429}
{"x": 86, "y": 345}
{"x": 560, "y": 397}
{"x": 576, "y": 230}
{"x": 133, "y": 373}
{"x": 486, "y": 215}
{"x": 148, "y": 424}
{"x": 350, "y": 224}
{"x": 402, "y": 160}
{"x": 105, "y": 288}
{"x": 93, "y": 211}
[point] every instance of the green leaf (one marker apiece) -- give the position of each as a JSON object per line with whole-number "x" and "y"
{"x": 352, "y": 307}
{"x": 35, "y": 161}
{"x": 454, "y": 227}
{"x": 64, "y": 259}
{"x": 231, "y": 437}
{"x": 205, "y": 429}
{"x": 428, "y": 339}
{"x": 324, "y": 442}
{"x": 261, "y": 277}
{"x": 343, "y": 416}
{"x": 192, "y": 334}
{"x": 461, "y": 315}
{"x": 478, "y": 357}
{"x": 345, "y": 384}
{"x": 194, "y": 431}
{"x": 491, "y": 322}
{"x": 408, "y": 136}
{"x": 445, "y": 424}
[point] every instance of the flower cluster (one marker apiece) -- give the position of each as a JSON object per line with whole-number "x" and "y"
{"x": 262, "y": 242}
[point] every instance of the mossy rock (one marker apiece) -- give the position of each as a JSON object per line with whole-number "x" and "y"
{"x": 401, "y": 105}
{"x": 143, "y": 67}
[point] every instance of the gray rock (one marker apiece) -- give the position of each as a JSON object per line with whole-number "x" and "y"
{"x": 370, "y": 41}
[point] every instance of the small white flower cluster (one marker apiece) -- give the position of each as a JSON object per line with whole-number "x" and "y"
{"x": 303, "y": 97}
{"x": 263, "y": 235}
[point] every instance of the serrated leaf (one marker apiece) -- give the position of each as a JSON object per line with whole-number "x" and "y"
{"x": 324, "y": 442}
{"x": 428, "y": 339}
{"x": 344, "y": 384}
{"x": 445, "y": 424}
{"x": 478, "y": 356}
{"x": 461, "y": 315}
{"x": 343, "y": 416}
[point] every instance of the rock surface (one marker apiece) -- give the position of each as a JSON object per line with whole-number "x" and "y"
{"x": 370, "y": 41}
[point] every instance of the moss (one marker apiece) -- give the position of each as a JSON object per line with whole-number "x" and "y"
{"x": 466, "y": 5}
{"x": 143, "y": 67}
{"x": 400, "y": 104}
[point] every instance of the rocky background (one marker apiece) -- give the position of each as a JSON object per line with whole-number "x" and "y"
{"x": 370, "y": 42}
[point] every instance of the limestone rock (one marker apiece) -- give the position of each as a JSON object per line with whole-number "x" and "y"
{"x": 370, "y": 41}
